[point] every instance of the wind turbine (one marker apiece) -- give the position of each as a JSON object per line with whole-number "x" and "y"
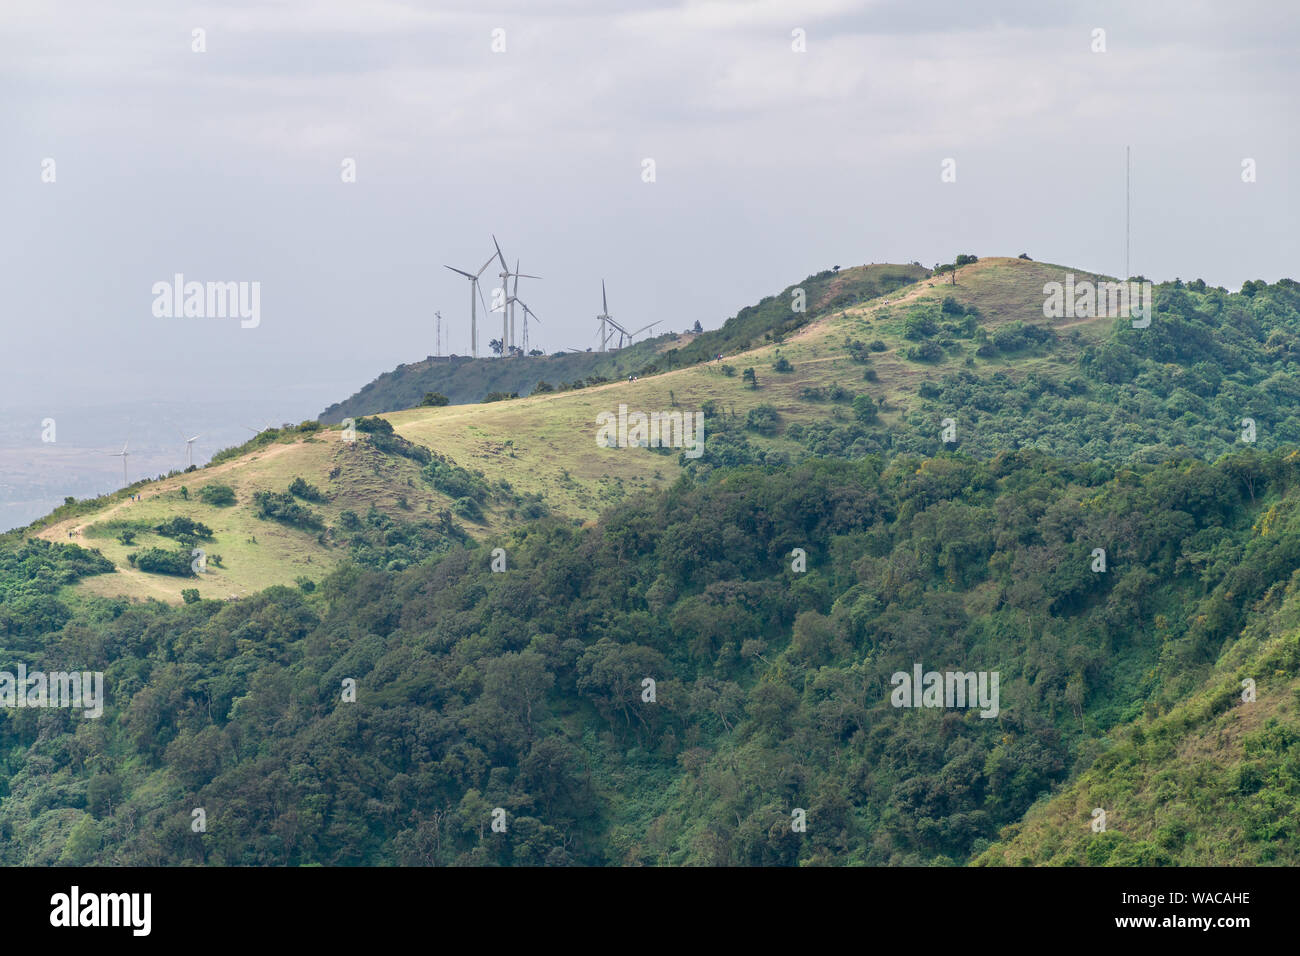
{"x": 189, "y": 448}
{"x": 257, "y": 431}
{"x": 604, "y": 316}
{"x": 474, "y": 295}
{"x": 124, "y": 456}
{"x": 437, "y": 341}
{"x": 507, "y": 305}
{"x": 527, "y": 312}
{"x": 640, "y": 330}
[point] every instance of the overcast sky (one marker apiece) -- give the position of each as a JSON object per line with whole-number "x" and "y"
{"x": 770, "y": 164}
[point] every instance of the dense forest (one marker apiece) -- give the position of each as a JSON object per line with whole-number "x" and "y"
{"x": 523, "y": 690}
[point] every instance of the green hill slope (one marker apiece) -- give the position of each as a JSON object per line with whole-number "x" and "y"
{"x": 465, "y": 381}
{"x": 522, "y": 686}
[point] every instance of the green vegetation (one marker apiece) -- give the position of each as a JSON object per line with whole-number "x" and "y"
{"x": 523, "y": 690}
{"x": 1120, "y": 687}
{"x": 281, "y": 507}
{"x": 159, "y": 561}
{"x": 217, "y": 495}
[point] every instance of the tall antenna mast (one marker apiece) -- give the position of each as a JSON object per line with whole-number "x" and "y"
{"x": 437, "y": 344}
{"x": 1128, "y": 273}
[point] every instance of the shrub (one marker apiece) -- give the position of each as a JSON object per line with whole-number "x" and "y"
{"x": 158, "y": 561}
{"x": 281, "y": 507}
{"x": 190, "y": 595}
{"x": 185, "y": 530}
{"x": 220, "y": 496}
{"x": 467, "y": 508}
{"x": 925, "y": 352}
{"x": 301, "y": 489}
{"x": 437, "y": 399}
{"x": 762, "y": 419}
{"x": 456, "y": 482}
{"x": 782, "y": 364}
{"x": 864, "y": 407}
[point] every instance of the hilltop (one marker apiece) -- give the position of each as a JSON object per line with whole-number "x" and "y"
{"x": 849, "y": 377}
{"x": 464, "y": 380}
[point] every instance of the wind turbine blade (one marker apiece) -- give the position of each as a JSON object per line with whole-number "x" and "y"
{"x": 604, "y": 303}
{"x": 525, "y": 275}
{"x": 195, "y": 438}
{"x": 485, "y": 265}
{"x": 500, "y": 255}
{"x": 467, "y": 275}
{"x": 486, "y": 310}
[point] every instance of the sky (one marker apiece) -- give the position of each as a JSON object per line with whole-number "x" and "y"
{"x": 533, "y": 122}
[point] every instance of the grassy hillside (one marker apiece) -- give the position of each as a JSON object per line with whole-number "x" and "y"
{"x": 465, "y": 381}
{"x": 1084, "y": 389}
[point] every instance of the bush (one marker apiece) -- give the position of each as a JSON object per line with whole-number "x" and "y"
{"x": 437, "y": 399}
{"x": 301, "y": 489}
{"x": 864, "y": 407}
{"x": 782, "y": 364}
{"x": 158, "y": 561}
{"x": 1017, "y": 336}
{"x": 374, "y": 426}
{"x": 190, "y": 595}
{"x": 220, "y": 496}
{"x": 183, "y": 529}
{"x": 281, "y": 507}
{"x": 762, "y": 419}
{"x": 467, "y": 508}
{"x": 925, "y": 352}
{"x": 456, "y": 482}
{"x": 878, "y": 346}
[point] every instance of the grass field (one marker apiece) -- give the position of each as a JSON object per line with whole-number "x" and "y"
{"x": 546, "y": 444}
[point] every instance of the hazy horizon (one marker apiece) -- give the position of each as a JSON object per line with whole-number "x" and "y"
{"x": 770, "y": 164}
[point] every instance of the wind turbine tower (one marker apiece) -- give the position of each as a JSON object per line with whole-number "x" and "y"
{"x": 604, "y": 316}
{"x": 508, "y": 299}
{"x": 475, "y": 294}
{"x": 124, "y": 456}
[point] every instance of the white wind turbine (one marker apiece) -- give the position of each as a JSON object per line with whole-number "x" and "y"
{"x": 508, "y": 299}
{"x": 640, "y": 330}
{"x": 124, "y": 455}
{"x": 527, "y": 314}
{"x": 604, "y": 316}
{"x": 474, "y": 295}
{"x": 189, "y": 448}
